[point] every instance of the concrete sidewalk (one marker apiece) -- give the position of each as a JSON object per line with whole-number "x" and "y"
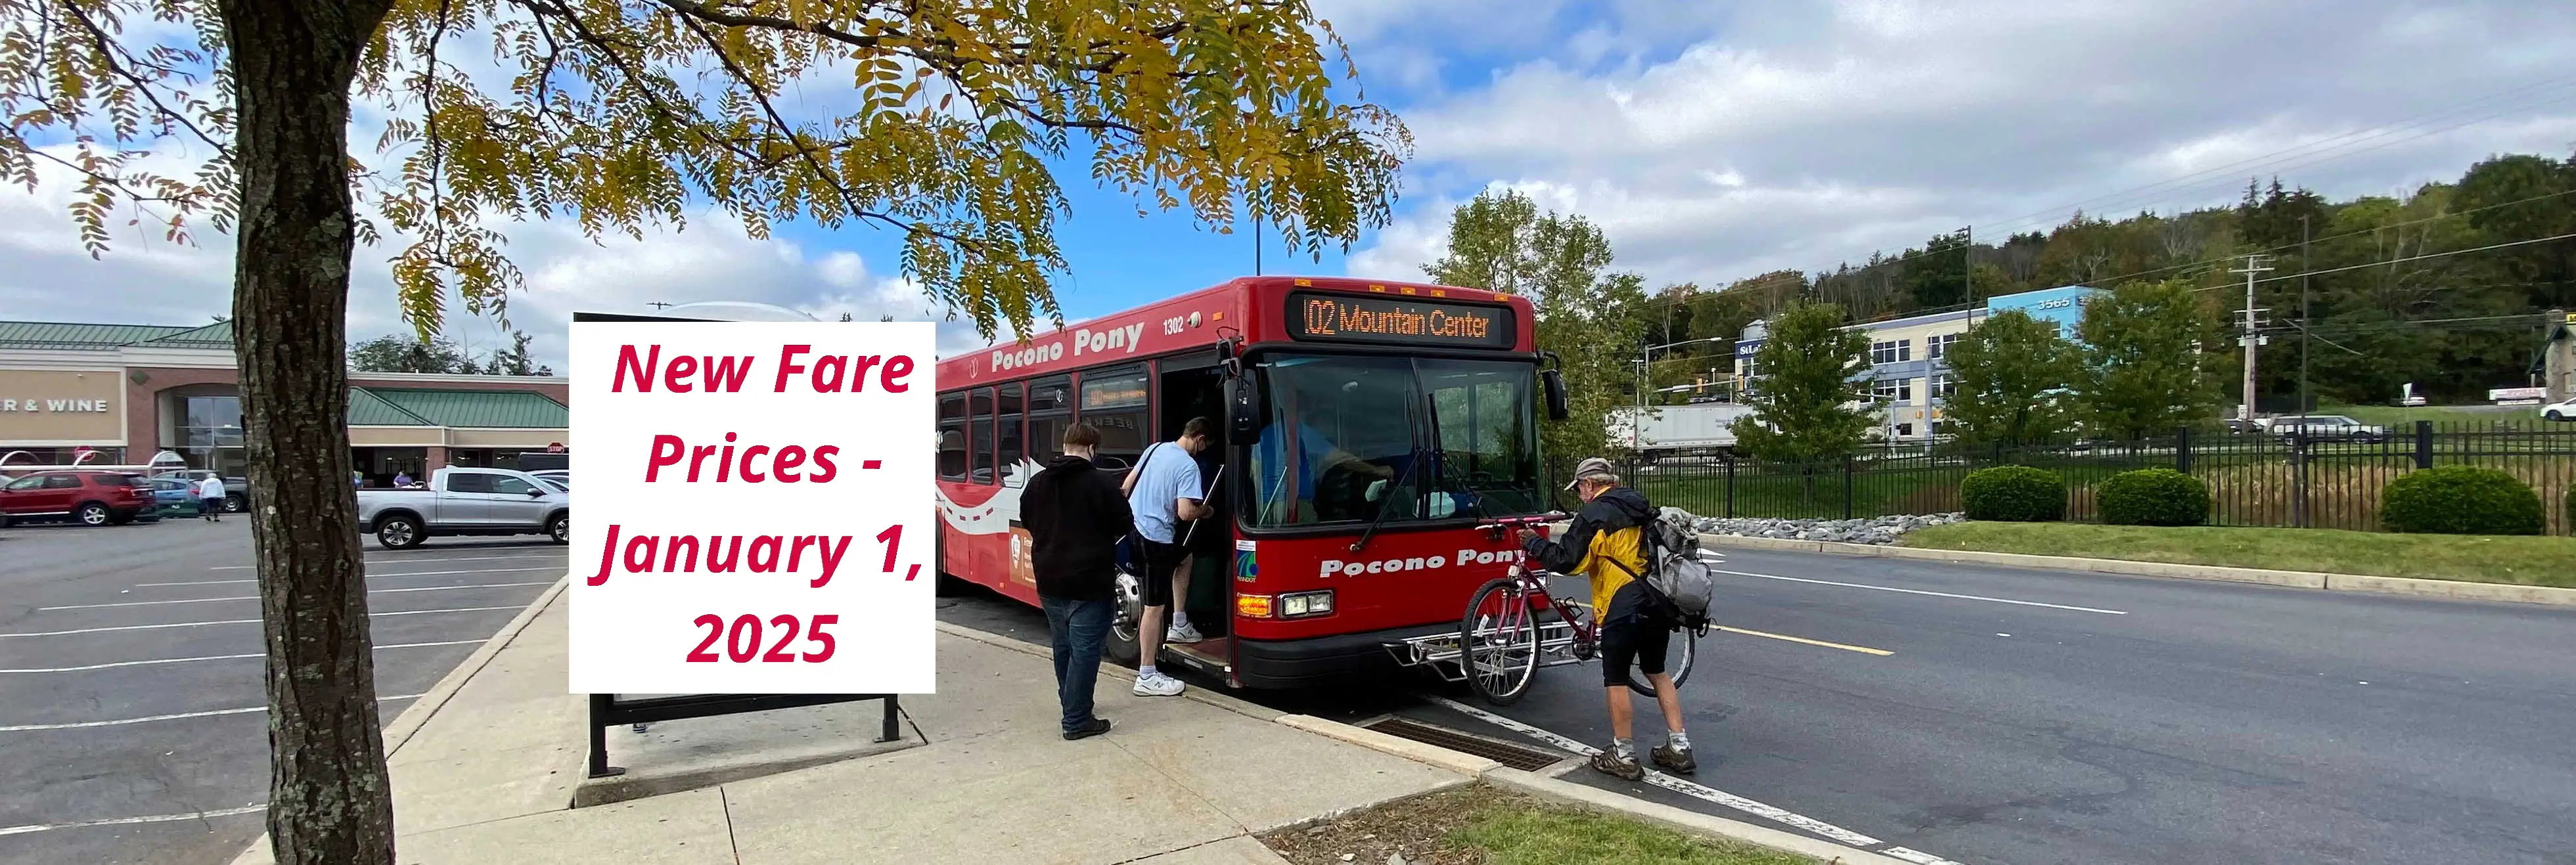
{"x": 490, "y": 773}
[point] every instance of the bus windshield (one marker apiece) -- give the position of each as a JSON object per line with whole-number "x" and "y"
{"x": 1393, "y": 438}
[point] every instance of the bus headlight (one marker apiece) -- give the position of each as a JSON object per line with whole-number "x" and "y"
{"x": 1303, "y": 604}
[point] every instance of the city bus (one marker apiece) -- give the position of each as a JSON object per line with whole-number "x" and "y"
{"x": 1413, "y": 412}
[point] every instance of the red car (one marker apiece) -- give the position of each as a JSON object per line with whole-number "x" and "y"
{"x": 88, "y": 498}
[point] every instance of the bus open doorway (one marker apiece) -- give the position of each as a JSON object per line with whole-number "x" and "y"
{"x": 1194, "y": 387}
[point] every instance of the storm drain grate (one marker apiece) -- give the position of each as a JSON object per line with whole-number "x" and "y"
{"x": 1522, "y": 757}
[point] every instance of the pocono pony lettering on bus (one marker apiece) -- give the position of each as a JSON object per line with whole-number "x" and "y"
{"x": 993, "y": 515}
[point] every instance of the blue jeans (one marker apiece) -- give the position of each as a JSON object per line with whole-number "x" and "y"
{"x": 1079, "y": 629}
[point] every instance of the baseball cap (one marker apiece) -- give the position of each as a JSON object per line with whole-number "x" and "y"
{"x": 1592, "y": 469}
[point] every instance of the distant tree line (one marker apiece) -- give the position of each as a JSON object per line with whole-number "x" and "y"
{"x": 408, "y": 353}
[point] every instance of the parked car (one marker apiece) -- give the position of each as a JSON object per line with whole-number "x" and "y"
{"x": 84, "y": 497}
{"x": 467, "y": 501}
{"x": 2325, "y": 427}
{"x": 236, "y": 489}
{"x": 172, "y": 492}
{"x": 558, "y": 477}
{"x": 2559, "y": 410}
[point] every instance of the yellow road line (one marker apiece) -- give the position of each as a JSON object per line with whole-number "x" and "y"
{"x": 1861, "y": 649}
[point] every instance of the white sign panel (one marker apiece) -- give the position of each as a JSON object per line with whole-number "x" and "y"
{"x": 755, "y": 507}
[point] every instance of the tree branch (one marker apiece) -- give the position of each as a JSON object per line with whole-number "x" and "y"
{"x": 108, "y": 53}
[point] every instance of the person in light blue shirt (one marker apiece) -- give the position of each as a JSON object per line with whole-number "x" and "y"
{"x": 1163, "y": 491}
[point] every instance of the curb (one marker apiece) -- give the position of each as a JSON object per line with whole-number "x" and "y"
{"x": 413, "y": 717}
{"x": 2455, "y": 590}
{"x": 1681, "y": 820}
{"x": 1111, "y": 671}
{"x": 1545, "y": 786}
{"x": 404, "y": 726}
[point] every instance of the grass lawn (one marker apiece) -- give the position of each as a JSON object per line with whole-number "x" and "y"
{"x": 2405, "y": 416}
{"x": 1480, "y": 825}
{"x": 2533, "y": 561}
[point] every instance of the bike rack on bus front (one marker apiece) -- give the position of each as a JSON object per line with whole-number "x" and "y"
{"x": 1441, "y": 652}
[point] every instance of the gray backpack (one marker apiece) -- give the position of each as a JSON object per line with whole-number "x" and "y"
{"x": 1674, "y": 569}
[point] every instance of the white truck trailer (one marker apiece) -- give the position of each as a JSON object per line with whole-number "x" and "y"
{"x": 1659, "y": 431}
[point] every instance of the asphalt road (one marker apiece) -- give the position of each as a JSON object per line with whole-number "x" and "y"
{"x": 2025, "y": 717}
{"x": 158, "y": 751}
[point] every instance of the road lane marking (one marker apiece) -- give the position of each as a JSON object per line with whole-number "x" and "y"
{"x": 235, "y": 622}
{"x": 256, "y": 597}
{"x": 76, "y": 725}
{"x": 215, "y": 658}
{"x": 1692, "y": 789}
{"x": 129, "y": 821}
{"x": 1861, "y": 649}
{"x": 371, "y": 575}
{"x": 415, "y": 559}
{"x": 1924, "y": 592}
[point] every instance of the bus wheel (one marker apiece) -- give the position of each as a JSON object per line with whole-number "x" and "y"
{"x": 1129, "y": 594}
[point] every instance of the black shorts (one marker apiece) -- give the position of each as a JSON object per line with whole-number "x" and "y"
{"x": 1635, "y": 641}
{"x": 1161, "y": 560}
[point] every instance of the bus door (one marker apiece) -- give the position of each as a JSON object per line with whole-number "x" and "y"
{"x": 1193, "y": 386}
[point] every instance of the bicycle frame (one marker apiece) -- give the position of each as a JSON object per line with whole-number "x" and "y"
{"x": 1569, "y": 639}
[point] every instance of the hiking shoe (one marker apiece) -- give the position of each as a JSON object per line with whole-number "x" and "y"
{"x": 1157, "y": 685}
{"x": 1611, "y": 764}
{"x": 1182, "y": 634}
{"x": 1675, "y": 760}
{"x": 1097, "y": 726}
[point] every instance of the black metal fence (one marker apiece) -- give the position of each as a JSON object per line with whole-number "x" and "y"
{"x": 2255, "y": 478}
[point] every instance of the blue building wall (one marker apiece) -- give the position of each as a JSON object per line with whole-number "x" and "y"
{"x": 2063, "y": 305}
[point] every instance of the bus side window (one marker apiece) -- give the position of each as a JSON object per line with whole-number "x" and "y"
{"x": 952, "y": 437}
{"x": 979, "y": 423}
{"x": 1012, "y": 447}
{"x": 1050, "y": 412}
{"x": 1114, "y": 400}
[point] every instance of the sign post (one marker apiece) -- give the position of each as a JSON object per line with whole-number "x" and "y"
{"x": 762, "y": 540}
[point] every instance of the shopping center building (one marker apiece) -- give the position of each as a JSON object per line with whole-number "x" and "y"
{"x": 132, "y": 391}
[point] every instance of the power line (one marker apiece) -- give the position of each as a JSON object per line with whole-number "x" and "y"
{"x": 2407, "y": 259}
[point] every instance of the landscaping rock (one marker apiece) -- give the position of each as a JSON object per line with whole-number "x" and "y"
{"x": 1873, "y": 530}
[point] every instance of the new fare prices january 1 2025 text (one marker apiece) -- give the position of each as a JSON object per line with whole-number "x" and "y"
{"x": 755, "y": 512}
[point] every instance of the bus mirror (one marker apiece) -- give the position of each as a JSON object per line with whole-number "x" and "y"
{"x": 1554, "y": 384}
{"x": 1242, "y": 412}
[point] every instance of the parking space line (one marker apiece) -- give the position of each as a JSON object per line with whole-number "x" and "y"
{"x": 129, "y": 821}
{"x": 256, "y": 597}
{"x": 411, "y": 559}
{"x": 75, "y": 725}
{"x": 370, "y": 576}
{"x": 235, "y": 622}
{"x": 1923, "y": 592}
{"x": 1861, "y": 649}
{"x": 110, "y": 666}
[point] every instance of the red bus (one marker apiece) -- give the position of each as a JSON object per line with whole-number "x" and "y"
{"x": 1415, "y": 411}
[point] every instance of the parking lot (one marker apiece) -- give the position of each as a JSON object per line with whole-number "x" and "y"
{"x": 132, "y": 712}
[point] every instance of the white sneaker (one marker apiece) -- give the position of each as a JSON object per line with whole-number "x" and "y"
{"x": 1182, "y": 633}
{"x": 1157, "y": 685}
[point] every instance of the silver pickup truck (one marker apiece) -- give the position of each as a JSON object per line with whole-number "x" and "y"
{"x": 463, "y": 501}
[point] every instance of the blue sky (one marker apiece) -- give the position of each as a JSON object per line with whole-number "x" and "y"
{"x": 1711, "y": 141}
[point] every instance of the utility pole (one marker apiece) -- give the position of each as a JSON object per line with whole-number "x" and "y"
{"x": 2558, "y": 364}
{"x": 2254, "y": 264}
{"x": 2304, "y": 322}
{"x": 1968, "y": 261}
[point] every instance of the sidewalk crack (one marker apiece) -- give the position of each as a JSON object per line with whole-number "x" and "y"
{"x": 730, "y": 842}
{"x": 1184, "y": 786}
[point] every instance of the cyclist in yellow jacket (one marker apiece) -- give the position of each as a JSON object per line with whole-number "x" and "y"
{"x": 1606, "y": 545}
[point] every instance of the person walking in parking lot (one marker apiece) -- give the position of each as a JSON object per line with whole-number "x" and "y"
{"x": 1075, "y": 516}
{"x": 210, "y": 499}
{"x": 1606, "y": 543}
{"x": 1163, "y": 493}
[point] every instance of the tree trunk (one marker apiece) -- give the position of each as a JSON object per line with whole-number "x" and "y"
{"x": 293, "y": 62}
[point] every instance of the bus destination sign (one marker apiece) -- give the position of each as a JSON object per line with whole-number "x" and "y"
{"x": 1362, "y": 318}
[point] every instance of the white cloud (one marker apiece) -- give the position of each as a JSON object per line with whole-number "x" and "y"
{"x": 1802, "y": 134}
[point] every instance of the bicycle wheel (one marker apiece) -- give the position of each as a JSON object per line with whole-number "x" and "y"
{"x": 1498, "y": 642}
{"x": 1679, "y": 653}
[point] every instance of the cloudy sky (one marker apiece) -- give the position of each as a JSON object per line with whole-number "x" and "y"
{"x": 1712, "y": 141}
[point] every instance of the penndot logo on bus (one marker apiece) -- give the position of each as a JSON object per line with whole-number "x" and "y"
{"x": 1330, "y": 567}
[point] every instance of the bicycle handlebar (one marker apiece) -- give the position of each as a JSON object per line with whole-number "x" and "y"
{"x": 1515, "y": 522}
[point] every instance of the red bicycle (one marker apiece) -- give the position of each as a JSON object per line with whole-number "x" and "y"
{"x": 1514, "y": 625}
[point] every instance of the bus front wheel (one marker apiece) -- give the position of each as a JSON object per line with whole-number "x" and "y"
{"x": 1128, "y": 594}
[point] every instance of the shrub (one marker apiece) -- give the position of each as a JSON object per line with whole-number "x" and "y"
{"x": 2153, "y": 497}
{"x": 2460, "y": 500}
{"x": 2013, "y": 494}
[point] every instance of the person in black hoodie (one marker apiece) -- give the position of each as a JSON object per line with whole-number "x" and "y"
{"x": 1075, "y": 515}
